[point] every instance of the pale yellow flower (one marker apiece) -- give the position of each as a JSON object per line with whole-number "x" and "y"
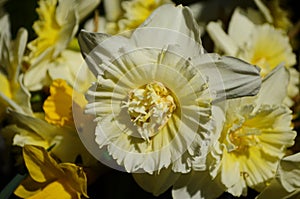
{"x": 153, "y": 95}
{"x": 13, "y": 94}
{"x": 56, "y": 27}
{"x": 262, "y": 45}
{"x": 136, "y": 12}
{"x": 49, "y": 179}
{"x": 129, "y": 15}
{"x": 254, "y": 137}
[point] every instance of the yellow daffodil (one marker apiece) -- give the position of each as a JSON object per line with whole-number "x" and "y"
{"x": 254, "y": 137}
{"x": 28, "y": 130}
{"x": 13, "y": 94}
{"x": 55, "y": 29}
{"x": 261, "y": 45}
{"x": 49, "y": 179}
{"x": 153, "y": 95}
{"x": 58, "y": 106}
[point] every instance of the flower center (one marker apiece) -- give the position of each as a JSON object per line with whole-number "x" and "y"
{"x": 150, "y": 107}
{"x": 244, "y": 137}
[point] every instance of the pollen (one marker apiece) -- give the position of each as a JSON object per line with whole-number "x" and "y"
{"x": 244, "y": 137}
{"x": 150, "y": 108}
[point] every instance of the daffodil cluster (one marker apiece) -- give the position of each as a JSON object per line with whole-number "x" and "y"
{"x": 189, "y": 103}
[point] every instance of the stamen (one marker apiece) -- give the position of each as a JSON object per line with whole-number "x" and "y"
{"x": 150, "y": 108}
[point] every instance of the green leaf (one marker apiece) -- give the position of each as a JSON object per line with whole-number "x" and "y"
{"x": 12, "y": 185}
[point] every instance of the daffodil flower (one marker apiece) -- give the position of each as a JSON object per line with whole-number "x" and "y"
{"x": 154, "y": 91}
{"x": 286, "y": 183}
{"x": 261, "y": 45}
{"x": 28, "y": 130}
{"x": 58, "y": 106}
{"x": 124, "y": 15}
{"x": 49, "y": 179}
{"x": 254, "y": 137}
{"x": 57, "y": 25}
{"x": 255, "y": 132}
{"x": 13, "y": 93}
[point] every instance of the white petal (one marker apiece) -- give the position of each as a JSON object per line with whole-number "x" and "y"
{"x": 228, "y": 77}
{"x": 112, "y": 9}
{"x": 85, "y": 7}
{"x": 273, "y": 91}
{"x": 36, "y": 82}
{"x": 264, "y": 10}
{"x": 289, "y": 172}
{"x": 221, "y": 39}
{"x": 185, "y": 32}
{"x": 286, "y": 184}
{"x": 240, "y": 27}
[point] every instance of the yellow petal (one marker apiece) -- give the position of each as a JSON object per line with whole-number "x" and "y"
{"x": 75, "y": 178}
{"x": 58, "y": 106}
{"x": 40, "y": 165}
{"x": 28, "y": 188}
{"x": 55, "y": 190}
{"x": 4, "y": 86}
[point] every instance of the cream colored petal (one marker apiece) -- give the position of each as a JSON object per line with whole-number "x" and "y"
{"x": 85, "y": 7}
{"x": 99, "y": 48}
{"x": 157, "y": 183}
{"x": 18, "y": 52}
{"x": 196, "y": 185}
{"x": 289, "y": 172}
{"x": 34, "y": 82}
{"x": 112, "y": 9}
{"x": 22, "y": 97}
{"x": 228, "y": 77}
{"x": 273, "y": 91}
{"x": 293, "y": 87}
{"x": 165, "y": 15}
{"x": 264, "y": 10}
{"x": 240, "y": 27}
{"x": 29, "y": 138}
{"x": 221, "y": 39}
{"x": 96, "y": 25}
{"x": 230, "y": 174}
{"x": 286, "y": 184}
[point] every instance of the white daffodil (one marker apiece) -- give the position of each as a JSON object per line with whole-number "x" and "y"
{"x": 261, "y": 45}
{"x": 57, "y": 25}
{"x": 255, "y": 133}
{"x": 286, "y": 183}
{"x": 13, "y": 94}
{"x": 254, "y": 137}
{"x": 154, "y": 91}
